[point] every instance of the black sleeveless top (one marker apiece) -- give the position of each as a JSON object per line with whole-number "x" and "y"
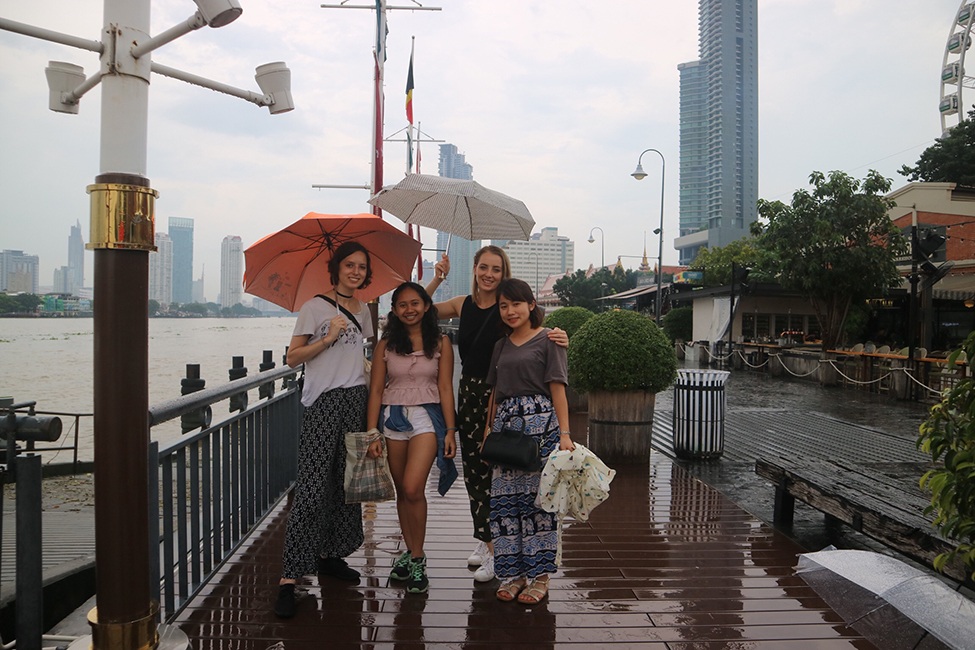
{"x": 474, "y": 342}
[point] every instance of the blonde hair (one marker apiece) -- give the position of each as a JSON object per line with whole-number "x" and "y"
{"x": 505, "y": 265}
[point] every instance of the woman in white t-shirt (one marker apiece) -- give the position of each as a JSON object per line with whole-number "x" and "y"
{"x": 328, "y": 339}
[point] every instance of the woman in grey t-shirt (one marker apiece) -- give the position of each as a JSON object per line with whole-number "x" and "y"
{"x": 529, "y": 373}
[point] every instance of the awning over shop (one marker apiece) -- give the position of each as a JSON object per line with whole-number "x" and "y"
{"x": 633, "y": 293}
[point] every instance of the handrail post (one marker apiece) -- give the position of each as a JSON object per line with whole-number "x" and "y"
{"x": 29, "y": 588}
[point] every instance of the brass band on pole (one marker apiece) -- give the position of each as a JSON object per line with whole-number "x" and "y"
{"x": 140, "y": 634}
{"x": 122, "y": 217}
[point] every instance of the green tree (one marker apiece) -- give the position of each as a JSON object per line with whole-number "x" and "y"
{"x": 948, "y": 435}
{"x": 577, "y": 290}
{"x": 153, "y": 307}
{"x": 716, "y": 262}
{"x": 195, "y": 308}
{"x": 951, "y": 159}
{"x": 834, "y": 245}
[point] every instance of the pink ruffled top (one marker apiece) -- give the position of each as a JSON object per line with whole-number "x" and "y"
{"x": 411, "y": 379}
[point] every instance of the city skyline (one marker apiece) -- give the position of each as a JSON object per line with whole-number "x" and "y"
{"x": 554, "y": 120}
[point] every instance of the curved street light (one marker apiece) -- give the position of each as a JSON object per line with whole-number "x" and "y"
{"x": 639, "y": 174}
{"x": 602, "y": 245}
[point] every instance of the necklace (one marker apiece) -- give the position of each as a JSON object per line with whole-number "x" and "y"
{"x": 339, "y": 293}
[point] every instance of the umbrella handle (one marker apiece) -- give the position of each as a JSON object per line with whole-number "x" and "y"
{"x": 447, "y": 250}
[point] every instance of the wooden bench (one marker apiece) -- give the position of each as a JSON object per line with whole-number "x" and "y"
{"x": 880, "y": 500}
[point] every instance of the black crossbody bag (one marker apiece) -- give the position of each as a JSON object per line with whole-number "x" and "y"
{"x": 511, "y": 447}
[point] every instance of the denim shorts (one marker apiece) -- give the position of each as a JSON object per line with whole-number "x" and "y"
{"x": 418, "y": 418}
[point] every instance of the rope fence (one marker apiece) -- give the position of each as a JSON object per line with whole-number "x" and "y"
{"x": 832, "y": 362}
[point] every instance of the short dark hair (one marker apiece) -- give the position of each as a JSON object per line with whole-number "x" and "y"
{"x": 519, "y": 291}
{"x": 344, "y": 250}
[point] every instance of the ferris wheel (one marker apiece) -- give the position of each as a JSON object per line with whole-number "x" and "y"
{"x": 954, "y": 78}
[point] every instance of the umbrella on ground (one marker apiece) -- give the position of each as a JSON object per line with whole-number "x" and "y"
{"x": 889, "y": 602}
{"x": 290, "y": 267}
{"x": 459, "y": 207}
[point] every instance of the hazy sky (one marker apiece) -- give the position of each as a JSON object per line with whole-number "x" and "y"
{"x": 551, "y": 101}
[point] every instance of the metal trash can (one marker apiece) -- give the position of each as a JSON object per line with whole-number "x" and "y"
{"x": 699, "y": 410}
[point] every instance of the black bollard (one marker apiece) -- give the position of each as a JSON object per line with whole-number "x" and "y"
{"x": 200, "y": 418}
{"x": 238, "y": 402}
{"x": 266, "y": 391}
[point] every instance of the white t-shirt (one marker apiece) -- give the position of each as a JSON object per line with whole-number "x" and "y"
{"x": 339, "y": 366}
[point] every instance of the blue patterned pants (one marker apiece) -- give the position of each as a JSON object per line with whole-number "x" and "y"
{"x": 525, "y": 537}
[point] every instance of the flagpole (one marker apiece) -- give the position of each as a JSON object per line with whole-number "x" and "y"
{"x": 377, "y": 133}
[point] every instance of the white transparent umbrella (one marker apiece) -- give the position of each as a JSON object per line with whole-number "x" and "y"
{"x": 463, "y": 208}
{"x": 888, "y": 601}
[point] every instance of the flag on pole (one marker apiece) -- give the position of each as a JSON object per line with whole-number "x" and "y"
{"x": 409, "y": 90}
{"x": 381, "y": 31}
{"x": 409, "y": 114}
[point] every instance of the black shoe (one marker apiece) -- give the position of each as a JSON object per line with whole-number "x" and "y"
{"x": 337, "y": 568}
{"x": 285, "y": 606}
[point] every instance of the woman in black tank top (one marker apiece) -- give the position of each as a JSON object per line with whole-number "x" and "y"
{"x": 480, "y": 329}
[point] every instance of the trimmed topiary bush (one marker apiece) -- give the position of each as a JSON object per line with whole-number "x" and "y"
{"x": 621, "y": 351}
{"x": 568, "y": 318}
{"x": 679, "y": 324}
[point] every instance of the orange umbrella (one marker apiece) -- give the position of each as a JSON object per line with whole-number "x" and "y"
{"x": 290, "y": 267}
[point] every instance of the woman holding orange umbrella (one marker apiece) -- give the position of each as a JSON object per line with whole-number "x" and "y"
{"x": 328, "y": 339}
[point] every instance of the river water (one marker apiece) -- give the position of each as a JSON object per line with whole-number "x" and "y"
{"x": 50, "y": 360}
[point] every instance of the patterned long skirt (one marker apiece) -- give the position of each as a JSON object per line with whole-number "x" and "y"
{"x": 472, "y": 401}
{"x": 526, "y": 538}
{"x": 321, "y": 523}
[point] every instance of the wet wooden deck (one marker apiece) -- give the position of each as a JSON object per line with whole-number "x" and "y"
{"x": 666, "y": 562}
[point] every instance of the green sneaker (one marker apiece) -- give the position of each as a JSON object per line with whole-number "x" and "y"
{"x": 418, "y": 582}
{"x": 401, "y": 567}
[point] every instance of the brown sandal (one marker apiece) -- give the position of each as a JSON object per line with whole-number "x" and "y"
{"x": 534, "y": 593}
{"x": 510, "y": 590}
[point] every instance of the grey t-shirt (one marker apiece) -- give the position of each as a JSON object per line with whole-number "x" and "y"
{"x": 527, "y": 369}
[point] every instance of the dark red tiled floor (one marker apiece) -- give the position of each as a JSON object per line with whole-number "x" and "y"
{"x": 667, "y": 562}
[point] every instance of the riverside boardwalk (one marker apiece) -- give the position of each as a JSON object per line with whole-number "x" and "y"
{"x": 667, "y": 562}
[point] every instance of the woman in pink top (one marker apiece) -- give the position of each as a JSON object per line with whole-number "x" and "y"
{"x": 411, "y": 397}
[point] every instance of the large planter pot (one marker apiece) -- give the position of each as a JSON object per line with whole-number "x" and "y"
{"x": 620, "y": 425}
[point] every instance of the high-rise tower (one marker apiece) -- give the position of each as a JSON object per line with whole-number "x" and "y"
{"x": 231, "y": 271}
{"x": 161, "y": 270}
{"x": 76, "y": 260}
{"x": 719, "y": 128}
{"x": 181, "y": 232}
{"x": 458, "y": 283}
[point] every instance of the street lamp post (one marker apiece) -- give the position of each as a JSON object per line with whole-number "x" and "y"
{"x": 639, "y": 174}
{"x": 602, "y": 245}
{"x": 122, "y": 236}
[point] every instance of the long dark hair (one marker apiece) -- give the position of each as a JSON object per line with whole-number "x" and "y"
{"x": 518, "y": 291}
{"x": 398, "y": 338}
{"x": 343, "y": 251}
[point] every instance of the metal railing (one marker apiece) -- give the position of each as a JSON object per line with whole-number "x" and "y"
{"x": 209, "y": 489}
